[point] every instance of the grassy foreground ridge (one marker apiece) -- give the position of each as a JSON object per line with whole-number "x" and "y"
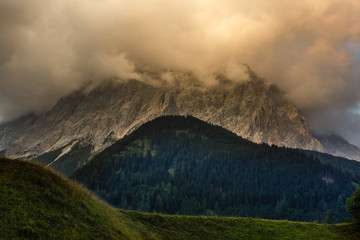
{"x": 36, "y": 203}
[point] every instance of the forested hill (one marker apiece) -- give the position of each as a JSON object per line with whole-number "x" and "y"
{"x": 181, "y": 165}
{"x": 344, "y": 164}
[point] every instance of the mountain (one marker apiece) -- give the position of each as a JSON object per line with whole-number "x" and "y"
{"x": 94, "y": 118}
{"x": 182, "y": 165}
{"x": 338, "y": 146}
{"x": 13, "y": 130}
{"x": 39, "y": 204}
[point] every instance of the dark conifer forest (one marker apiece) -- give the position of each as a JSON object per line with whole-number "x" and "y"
{"x": 181, "y": 165}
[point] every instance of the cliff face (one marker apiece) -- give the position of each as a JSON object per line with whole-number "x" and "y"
{"x": 107, "y": 112}
{"x": 252, "y": 109}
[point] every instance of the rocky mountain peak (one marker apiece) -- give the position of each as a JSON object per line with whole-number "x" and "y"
{"x": 100, "y": 115}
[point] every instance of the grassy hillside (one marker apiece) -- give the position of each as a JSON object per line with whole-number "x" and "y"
{"x": 36, "y": 203}
{"x": 182, "y": 165}
{"x": 187, "y": 227}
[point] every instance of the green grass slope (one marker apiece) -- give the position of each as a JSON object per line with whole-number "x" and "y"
{"x": 188, "y": 227}
{"x": 36, "y": 203}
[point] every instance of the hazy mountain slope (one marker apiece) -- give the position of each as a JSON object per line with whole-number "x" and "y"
{"x": 11, "y": 131}
{"x": 187, "y": 166}
{"x": 101, "y": 115}
{"x": 338, "y": 146}
{"x": 38, "y": 204}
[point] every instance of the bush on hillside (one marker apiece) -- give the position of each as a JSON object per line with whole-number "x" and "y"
{"x": 353, "y": 205}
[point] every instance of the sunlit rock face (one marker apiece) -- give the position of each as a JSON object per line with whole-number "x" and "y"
{"x": 99, "y": 116}
{"x": 252, "y": 109}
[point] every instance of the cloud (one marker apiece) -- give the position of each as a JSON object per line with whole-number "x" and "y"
{"x": 308, "y": 48}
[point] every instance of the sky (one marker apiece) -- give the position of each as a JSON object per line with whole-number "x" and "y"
{"x": 310, "y": 49}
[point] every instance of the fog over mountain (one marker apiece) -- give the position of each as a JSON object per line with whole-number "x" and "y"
{"x": 309, "y": 49}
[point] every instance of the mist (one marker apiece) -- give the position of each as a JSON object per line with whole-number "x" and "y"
{"x": 309, "y": 49}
